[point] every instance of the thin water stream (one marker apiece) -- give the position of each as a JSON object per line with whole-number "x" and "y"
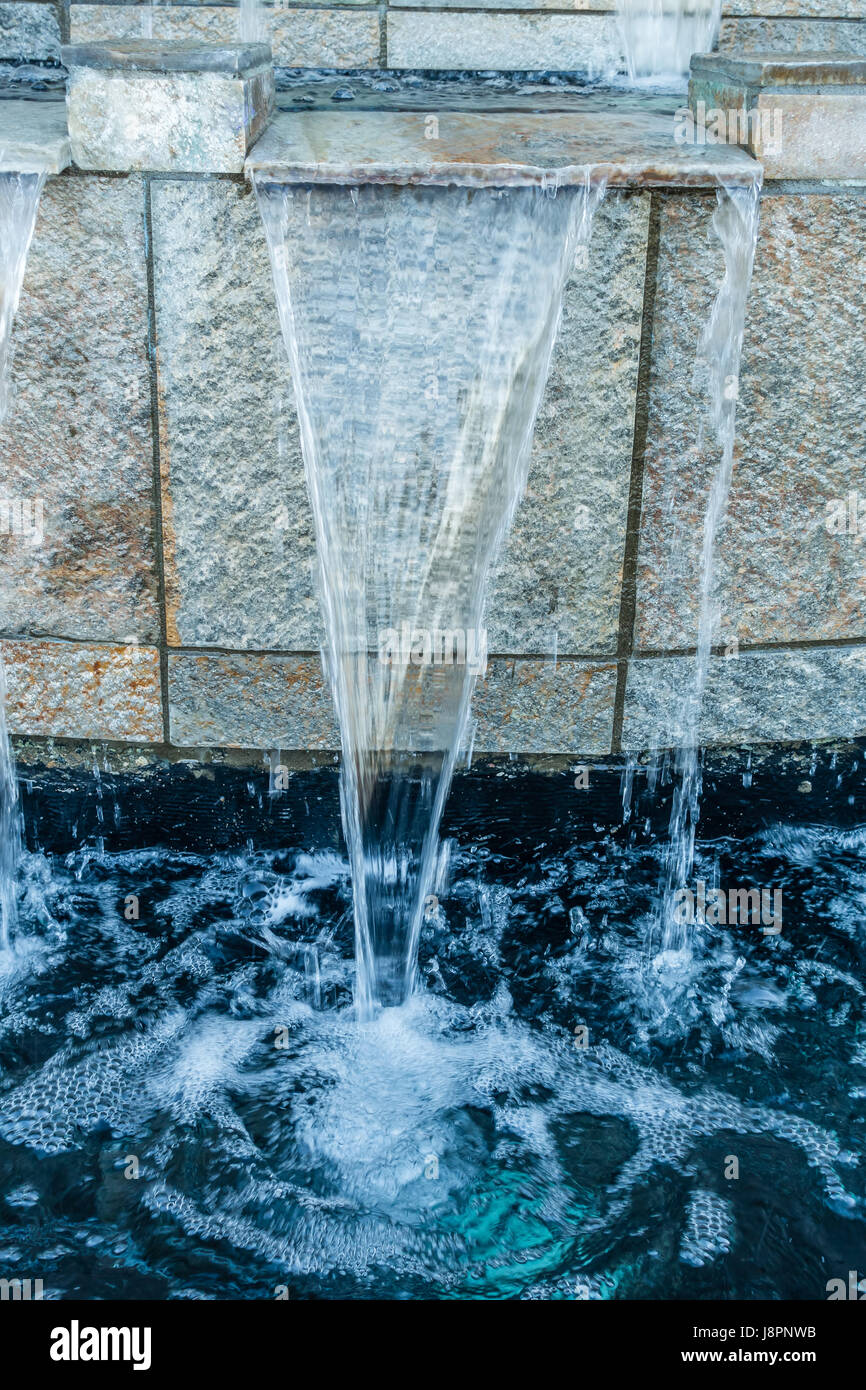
{"x": 19, "y": 204}
{"x": 735, "y": 225}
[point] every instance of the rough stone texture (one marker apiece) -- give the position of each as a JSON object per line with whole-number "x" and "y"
{"x": 300, "y": 37}
{"x": 121, "y": 118}
{"x": 493, "y": 148}
{"x": 794, "y": 35}
{"x": 798, "y": 136}
{"x": 559, "y": 584}
{"x": 536, "y": 707}
{"x": 29, "y": 30}
{"x": 79, "y": 434}
{"x": 240, "y": 700}
{"x": 760, "y": 697}
{"x": 245, "y": 700}
{"x": 33, "y": 136}
{"x": 519, "y": 42}
{"x": 594, "y": 5}
{"x": 804, "y": 9}
{"x": 75, "y": 690}
{"x": 325, "y": 38}
{"x": 801, "y": 430}
{"x": 210, "y": 23}
{"x": 238, "y": 542}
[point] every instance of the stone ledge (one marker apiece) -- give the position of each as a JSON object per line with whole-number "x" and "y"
{"x": 497, "y": 149}
{"x": 166, "y": 106}
{"x": 33, "y": 137}
{"x": 183, "y": 55}
{"x": 803, "y": 116}
{"x": 802, "y": 71}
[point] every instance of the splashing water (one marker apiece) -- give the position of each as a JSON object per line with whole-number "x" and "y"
{"x": 419, "y": 324}
{"x": 660, "y": 36}
{"x": 19, "y": 203}
{"x": 464, "y": 1145}
{"x": 735, "y": 224}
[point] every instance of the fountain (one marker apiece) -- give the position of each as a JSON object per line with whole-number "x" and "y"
{"x": 509, "y": 1120}
{"x": 418, "y": 301}
{"x": 660, "y": 36}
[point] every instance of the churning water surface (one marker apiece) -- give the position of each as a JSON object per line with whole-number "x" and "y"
{"x": 191, "y": 1109}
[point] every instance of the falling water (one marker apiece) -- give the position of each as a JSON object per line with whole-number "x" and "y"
{"x": 19, "y": 202}
{"x": 735, "y": 224}
{"x": 252, "y": 22}
{"x": 419, "y": 325}
{"x": 660, "y": 36}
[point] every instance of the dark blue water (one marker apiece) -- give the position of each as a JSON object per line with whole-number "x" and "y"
{"x": 188, "y": 1108}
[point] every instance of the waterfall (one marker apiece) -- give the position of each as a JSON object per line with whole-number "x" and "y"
{"x": 252, "y": 25}
{"x": 419, "y": 324}
{"x": 735, "y": 224}
{"x": 660, "y": 36}
{"x": 19, "y": 203}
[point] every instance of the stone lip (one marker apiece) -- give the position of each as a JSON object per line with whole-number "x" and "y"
{"x": 168, "y": 56}
{"x": 33, "y": 137}
{"x": 793, "y": 70}
{"x": 490, "y": 150}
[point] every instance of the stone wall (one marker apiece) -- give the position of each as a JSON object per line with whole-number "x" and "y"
{"x": 170, "y": 599}
{"x": 426, "y": 34}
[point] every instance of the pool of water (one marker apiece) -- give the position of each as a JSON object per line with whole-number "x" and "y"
{"x": 189, "y": 1109}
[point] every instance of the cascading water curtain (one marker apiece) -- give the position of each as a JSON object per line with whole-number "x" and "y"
{"x": 660, "y": 36}
{"x": 19, "y": 204}
{"x": 253, "y": 22}
{"x": 735, "y": 224}
{"x": 419, "y": 324}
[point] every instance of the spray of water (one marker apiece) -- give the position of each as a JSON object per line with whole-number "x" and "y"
{"x": 419, "y": 324}
{"x": 735, "y": 224}
{"x": 19, "y": 203}
{"x": 660, "y": 36}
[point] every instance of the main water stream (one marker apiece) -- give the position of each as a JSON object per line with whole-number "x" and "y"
{"x": 660, "y": 36}
{"x": 419, "y": 324}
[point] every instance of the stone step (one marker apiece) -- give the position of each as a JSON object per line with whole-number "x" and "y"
{"x": 495, "y": 149}
{"x": 803, "y": 115}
